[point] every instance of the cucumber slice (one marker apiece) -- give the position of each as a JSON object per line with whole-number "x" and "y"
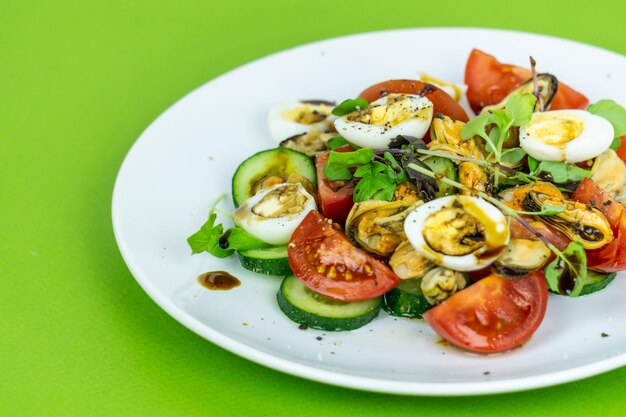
{"x": 596, "y": 281}
{"x": 406, "y": 300}
{"x": 280, "y": 162}
{"x": 445, "y": 167}
{"x": 269, "y": 261}
{"x": 304, "y": 306}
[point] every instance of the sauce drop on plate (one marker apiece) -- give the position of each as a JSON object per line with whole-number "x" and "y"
{"x": 218, "y": 281}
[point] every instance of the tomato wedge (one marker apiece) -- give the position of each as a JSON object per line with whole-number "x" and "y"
{"x": 442, "y": 102}
{"x": 621, "y": 151}
{"x": 489, "y": 81}
{"x": 612, "y": 257}
{"x": 493, "y": 315}
{"x": 325, "y": 261}
{"x": 335, "y": 197}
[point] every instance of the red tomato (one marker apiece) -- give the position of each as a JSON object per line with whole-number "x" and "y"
{"x": 325, "y": 261}
{"x": 489, "y": 81}
{"x": 612, "y": 257}
{"x": 493, "y": 315}
{"x": 442, "y": 102}
{"x": 335, "y": 197}
{"x": 554, "y": 236}
{"x": 621, "y": 151}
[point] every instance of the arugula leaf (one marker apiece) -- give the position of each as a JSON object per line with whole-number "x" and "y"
{"x": 513, "y": 155}
{"x": 339, "y": 163}
{"x": 567, "y": 273}
{"x": 336, "y": 142}
{"x": 616, "y": 143}
{"x": 560, "y": 172}
{"x": 612, "y": 112}
{"x": 532, "y": 164}
{"x": 476, "y": 127}
{"x": 207, "y": 238}
{"x": 238, "y": 239}
{"x": 350, "y": 105}
{"x": 519, "y": 108}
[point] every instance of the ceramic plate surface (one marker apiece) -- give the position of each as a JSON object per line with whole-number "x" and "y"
{"x": 186, "y": 158}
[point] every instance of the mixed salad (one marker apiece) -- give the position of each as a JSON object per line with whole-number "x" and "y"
{"x": 399, "y": 200}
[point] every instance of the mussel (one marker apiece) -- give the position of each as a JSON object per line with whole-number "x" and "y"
{"x": 312, "y": 144}
{"x": 548, "y": 86}
{"x": 407, "y": 263}
{"x": 440, "y": 283}
{"x": 514, "y": 197}
{"x": 445, "y": 136}
{"x": 521, "y": 257}
{"x": 476, "y": 178}
{"x": 378, "y": 226}
{"x": 580, "y": 222}
{"x": 609, "y": 172}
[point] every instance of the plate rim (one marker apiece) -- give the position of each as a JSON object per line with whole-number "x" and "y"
{"x": 340, "y": 379}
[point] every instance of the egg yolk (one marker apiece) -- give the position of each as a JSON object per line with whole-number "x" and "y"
{"x": 555, "y": 130}
{"x": 453, "y": 231}
{"x": 280, "y": 202}
{"x": 398, "y": 109}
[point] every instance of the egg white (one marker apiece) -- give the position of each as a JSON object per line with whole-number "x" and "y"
{"x": 596, "y": 137}
{"x": 378, "y": 137}
{"x": 282, "y": 128}
{"x": 414, "y": 225}
{"x": 275, "y": 231}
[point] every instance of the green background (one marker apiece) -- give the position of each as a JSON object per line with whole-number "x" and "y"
{"x": 79, "y": 82}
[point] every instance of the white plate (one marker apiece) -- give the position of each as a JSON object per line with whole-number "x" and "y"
{"x": 186, "y": 158}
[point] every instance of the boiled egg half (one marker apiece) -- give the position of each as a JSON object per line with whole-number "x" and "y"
{"x": 386, "y": 118}
{"x": 299, "y": 117}
{"x": 273, "y": 214}
{"x": 458, "y": 232}
{"x": 566, "y": 136}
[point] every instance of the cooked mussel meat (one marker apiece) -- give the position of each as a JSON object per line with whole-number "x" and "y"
{"x": 609, "y": 172}
{"x": 312, "y": 143}
{"x": 580, "y": 222}
{"x": 514, "y": 197}
{"x": 440, "y": 283}
{"x": 407, "y": 263}
{"x": 521, "y": 257}
{"x": 378, "y": 226}
{"x": 547, "y": 84}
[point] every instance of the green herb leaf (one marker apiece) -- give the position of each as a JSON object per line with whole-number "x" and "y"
{"x": 374, "y": 187}
{"x": 239, "y": 239}
{"x": 617, "y": 142}
{"x": 519, "y": 108}
{"x": 207, "y": 239}
{"x": 566, "y": 275}
{"x": 550, "y": 210}
{"x": 350, "y": 105}
{"x": 500, "y": 118}
{"x": 532, "y": 164}
{"x": 513, "y": 155}
{"x": 336, "y": 142}
{"x": 612, "y": 112}
{"x": 562, "y": 172}
{"x": 476, "y": 127}
{"x": 339, "y": 163}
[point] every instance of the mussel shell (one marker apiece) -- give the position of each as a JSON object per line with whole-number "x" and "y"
{"x": 386, "y": 215}
{"x": 548, "y": 87}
